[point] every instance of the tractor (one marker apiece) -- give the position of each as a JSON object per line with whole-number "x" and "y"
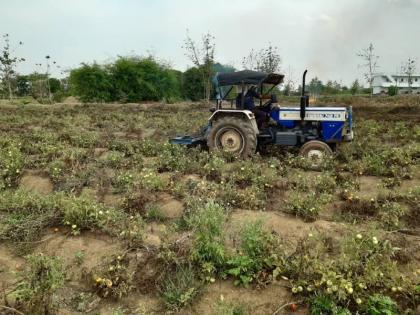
{"x": 316, "y": 131}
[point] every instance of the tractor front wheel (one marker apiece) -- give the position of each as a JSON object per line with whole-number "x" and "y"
{"x": 315, "y": 152}
{"x": 233, "y": 134}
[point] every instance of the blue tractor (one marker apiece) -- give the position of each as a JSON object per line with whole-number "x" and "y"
{"x": 242, "y": 128}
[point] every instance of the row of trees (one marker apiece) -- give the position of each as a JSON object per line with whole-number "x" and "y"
{"x": 134, "y": 78}
{"x": 39, "y": 84}
{"x": 128, "y": 79}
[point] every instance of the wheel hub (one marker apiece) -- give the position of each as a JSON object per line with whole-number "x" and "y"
{"x": 231, "y": 141}
{"x": 315, "y": 156}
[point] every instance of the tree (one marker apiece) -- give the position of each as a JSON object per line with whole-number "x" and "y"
{"x": 265, "y": 60}
{"x": 23, "y": 85}
{"x": 137, "y": 78}
{"x": 203, "y": 58}
{"x": 8, "y": 64}
{"x": 128, "y": 79}
{"x": 315, "y": 87}
{"x": 408, "y": 68}
{"x": 355, "y": 87}
{"x": 91, "y": 83}
{"x": 193, "y": 84}
{"x": 370, "y": 64}
{"x": 289, "y": 85}
{"x": 393, "y": 90}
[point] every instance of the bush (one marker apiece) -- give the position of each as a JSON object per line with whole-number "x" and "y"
{"x": 82, "y": 213}
{"x": 128, "y": 79}
{"x": 37, "y": 286}
{"x": 27, "y": 215}
{"x": 113, "y": 277}
{"x": 180, "y": 288}
{"x": 256, "y": 255}
{"x": 193, "y": 84}
{"x": 324, "y": 305}
{"x": 11, "y": 164}
{"x": 208, "y": 244}
{"x": 380, "y": 305}
{"x": 91, "y": 83}
{"x": 306, "y": 205}
{"x": 348, "y": 271}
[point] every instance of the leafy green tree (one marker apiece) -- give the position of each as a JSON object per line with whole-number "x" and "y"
{"x": 91, "y": 83}
{"x": 38, "y": 86}
{"x": 355, "y": 87}
{"x": 203, "y": 59}
{"x": 55, "y": 85}
{"x": 142, "y": 79}
{"x": 193, "y": 84}
{"x": 23, "y": 85}
{"x": 266, "y": 60}
{"x": 393, "y": 90}
{"x": 316, "y": 87}
{"x": 128, "y": 79}
{"x": 8, "y": 64}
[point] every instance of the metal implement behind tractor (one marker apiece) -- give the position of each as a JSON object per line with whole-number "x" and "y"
{"x": 315, "y": 130}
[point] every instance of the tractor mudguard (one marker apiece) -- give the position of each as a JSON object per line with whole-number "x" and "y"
{"x": 244, "y": 114}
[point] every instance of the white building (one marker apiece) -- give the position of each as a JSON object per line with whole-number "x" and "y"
{"x": 382, "y": 81}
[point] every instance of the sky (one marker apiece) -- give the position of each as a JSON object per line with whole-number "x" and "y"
{"x": 322, "y": 36}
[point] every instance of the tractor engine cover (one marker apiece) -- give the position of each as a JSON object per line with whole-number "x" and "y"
{"x": 286, "y": 138}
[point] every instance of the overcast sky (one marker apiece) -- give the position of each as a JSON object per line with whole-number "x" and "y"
{"x": 321, "y": 35}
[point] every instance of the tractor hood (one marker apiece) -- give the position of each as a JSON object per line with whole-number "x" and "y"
{"x": 248, "y": 77}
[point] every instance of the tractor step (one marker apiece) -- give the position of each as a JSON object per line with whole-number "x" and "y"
{"x": 187, "y": 140}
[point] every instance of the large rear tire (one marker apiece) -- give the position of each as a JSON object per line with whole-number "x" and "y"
{"x": 315, "y": 152}
{"x": 234, "y": 135}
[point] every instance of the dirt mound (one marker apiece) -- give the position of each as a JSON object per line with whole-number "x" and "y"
{"x": 112, "y": 200}
{"x": 70, "y": 100}
{"x": 289, "y": 228}
{"x": 255, "y": 301}
{"x": 94, "y": 246}
{"x": 35, "y": 181}
{"x": 369, "y": 186}
{"x": 100, "y": 152}
{"x": 148, "y": 133}
{"x": 170, "y": 207}
{"x": 9, "y": 264}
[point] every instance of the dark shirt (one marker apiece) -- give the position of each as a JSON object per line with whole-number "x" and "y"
{"x": 248, "y": 99}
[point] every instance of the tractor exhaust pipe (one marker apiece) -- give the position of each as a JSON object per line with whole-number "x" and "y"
{"x": 304, "y": 99}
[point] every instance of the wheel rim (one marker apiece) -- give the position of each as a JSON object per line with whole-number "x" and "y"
{"x": 230, "y": 139}
{"x": 315, "y": 156}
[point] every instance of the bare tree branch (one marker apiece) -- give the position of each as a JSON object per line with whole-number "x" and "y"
{"x": 370, "y": 64}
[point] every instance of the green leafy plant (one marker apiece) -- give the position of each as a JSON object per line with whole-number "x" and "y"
{"x": 151, "y": 181}
{"x": 180, "y": 287}
{"x": 324, "y": 305}
{"x": 223, "y": 307}
{"x": 113, "y": 278}
{"x": 380, "y": 305}
{"x": 38, "y": 283}
{"x": 25, "y": 215}
{"x": 83, "y": 213}
{"x": 306, "y": 205}
{"x": 208, "y": 243}
{"x": 11, "y": 164}
{"x": 257, "y": 256}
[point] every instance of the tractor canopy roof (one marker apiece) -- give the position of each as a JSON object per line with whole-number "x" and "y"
{"x": 248, "y": 77}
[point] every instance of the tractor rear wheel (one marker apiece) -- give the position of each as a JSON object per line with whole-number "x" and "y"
{"x": 233, "y": 134}
{"x": 315, "y": 152}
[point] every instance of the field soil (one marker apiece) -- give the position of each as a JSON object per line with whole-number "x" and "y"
{"x": 117, "y": 156}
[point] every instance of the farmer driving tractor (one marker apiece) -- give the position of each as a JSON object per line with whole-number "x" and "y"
{"x": 261, "y": 113}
